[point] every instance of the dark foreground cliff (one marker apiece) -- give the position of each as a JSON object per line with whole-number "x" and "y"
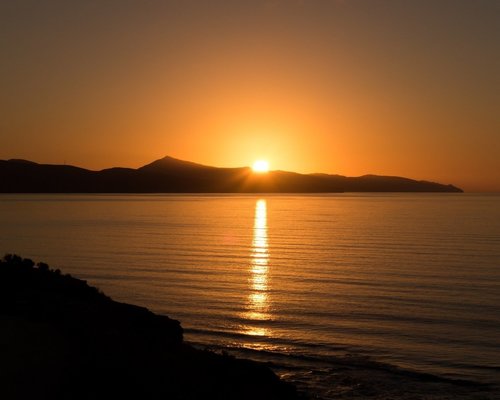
{"x": 63, "y": 339}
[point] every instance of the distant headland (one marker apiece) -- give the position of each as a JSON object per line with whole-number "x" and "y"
{"x": 170, "y": 175}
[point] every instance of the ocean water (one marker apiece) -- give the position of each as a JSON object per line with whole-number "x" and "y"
{"x": 339, "y": 293}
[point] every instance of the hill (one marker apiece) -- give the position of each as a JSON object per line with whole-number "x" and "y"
{"x": 169, "y": 175}
{"x": 63, "y": 339}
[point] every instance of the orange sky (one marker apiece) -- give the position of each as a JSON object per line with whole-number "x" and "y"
{"x": 348, "y": 87}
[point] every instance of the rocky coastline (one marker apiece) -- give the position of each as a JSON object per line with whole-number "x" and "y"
{"x": 64, "y": 339}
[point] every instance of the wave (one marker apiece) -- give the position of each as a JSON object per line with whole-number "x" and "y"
{"x": 315, "y": 370}
{"x": 284, "y": 359}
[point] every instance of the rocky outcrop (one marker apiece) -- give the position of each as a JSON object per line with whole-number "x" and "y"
{"x": 64, "y": 339}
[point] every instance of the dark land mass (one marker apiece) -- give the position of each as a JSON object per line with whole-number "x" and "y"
{"x": 169, "y": 175}
{"x": 63, "y": 339}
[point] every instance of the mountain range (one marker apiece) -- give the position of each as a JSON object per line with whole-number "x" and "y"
{"x": 170, "y": 175}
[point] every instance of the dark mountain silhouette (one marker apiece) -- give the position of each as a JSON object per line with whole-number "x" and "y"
{"x": 169, "y": 175}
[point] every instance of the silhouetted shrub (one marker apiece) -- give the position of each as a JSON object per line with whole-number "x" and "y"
{"x": 43, "y": 267}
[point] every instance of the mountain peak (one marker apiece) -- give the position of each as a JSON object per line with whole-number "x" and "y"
{"x": 168, "y": 162}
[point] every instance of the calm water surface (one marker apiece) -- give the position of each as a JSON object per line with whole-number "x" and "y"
{"x": 411, "y": 280}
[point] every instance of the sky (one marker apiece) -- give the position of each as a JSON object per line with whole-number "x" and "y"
{"x": 350, "y": 87}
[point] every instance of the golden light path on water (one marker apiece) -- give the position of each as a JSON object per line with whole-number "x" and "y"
{"x": 258, "y": 303}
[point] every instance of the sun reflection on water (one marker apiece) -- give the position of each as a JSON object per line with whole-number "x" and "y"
{"x": 258, "y": 303}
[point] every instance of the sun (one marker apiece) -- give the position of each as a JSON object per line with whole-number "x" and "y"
{"x": 260, "y": 166}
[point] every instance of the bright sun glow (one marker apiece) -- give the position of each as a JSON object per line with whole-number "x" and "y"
{"x": 260, "y": 166}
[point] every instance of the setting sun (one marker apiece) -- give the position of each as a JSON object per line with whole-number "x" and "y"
{"x": 260, "y": 166}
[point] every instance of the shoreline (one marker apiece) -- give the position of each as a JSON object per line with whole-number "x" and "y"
{"x": 362, "y": 378}
{"x": 55, "y": 323}
{"x": 67, "y": 340}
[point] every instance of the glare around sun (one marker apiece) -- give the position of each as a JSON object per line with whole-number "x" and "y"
{"x": 260, "y": 166}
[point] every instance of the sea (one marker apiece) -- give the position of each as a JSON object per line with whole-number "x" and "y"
{"x": 345, "y": 295}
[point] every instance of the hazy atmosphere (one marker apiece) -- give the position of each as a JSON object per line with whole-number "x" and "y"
{"x": 241, "y": 200}
{"x": 408, "y": 88}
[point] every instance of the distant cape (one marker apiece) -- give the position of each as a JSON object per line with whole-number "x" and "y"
{"x": 170, "y": 175}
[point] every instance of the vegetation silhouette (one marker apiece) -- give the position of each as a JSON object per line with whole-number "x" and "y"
{"x": 64, "y": 339}
{"x": 169, "y": 175}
